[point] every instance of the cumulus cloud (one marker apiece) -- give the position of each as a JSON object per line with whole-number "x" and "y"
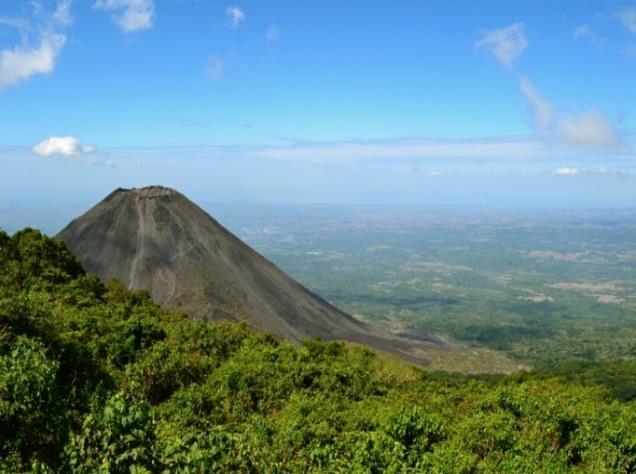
{"x": 627, "y": 16}
{"x": 22, "y": 62}
{"x": 130, "y": 15}
{"x": 236, "y": 15}
{"x": 506, "y": 44}
{"x": 542, "y": 109}
{"x": 584, "y": 31}
{"x": 272, "y": 33}
{"x": 42, "y": 42}
{"x": 589, "y": 130}
{"x": 216, "y": 68}
{"x": 67, "y": 147}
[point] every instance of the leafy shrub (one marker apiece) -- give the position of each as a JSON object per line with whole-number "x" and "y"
{"x": 118, "y": 439}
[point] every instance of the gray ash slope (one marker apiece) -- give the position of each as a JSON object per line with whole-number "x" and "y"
{"x": 156, "y": 239}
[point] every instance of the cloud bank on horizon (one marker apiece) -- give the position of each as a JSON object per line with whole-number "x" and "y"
{"x": 142, "y": 79}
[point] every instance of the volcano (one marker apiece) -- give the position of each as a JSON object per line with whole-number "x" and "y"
{"x": 156, "y": 239}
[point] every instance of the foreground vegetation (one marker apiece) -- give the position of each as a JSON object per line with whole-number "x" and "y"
{"x": 94, "y": 378}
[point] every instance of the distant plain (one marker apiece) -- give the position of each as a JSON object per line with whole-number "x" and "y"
{"x": 540, "y": 287}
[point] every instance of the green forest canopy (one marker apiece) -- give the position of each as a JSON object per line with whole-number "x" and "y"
{"x": 95, "y": 378}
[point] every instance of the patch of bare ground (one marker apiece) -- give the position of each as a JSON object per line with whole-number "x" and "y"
{"x": 581, "y": 257}
{"x": 590, "y": 287}
{"x": 538, "y": 298}
{"x": 610, "y": 299}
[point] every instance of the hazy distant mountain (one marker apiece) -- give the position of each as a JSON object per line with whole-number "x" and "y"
{"x": 156, "y": 239}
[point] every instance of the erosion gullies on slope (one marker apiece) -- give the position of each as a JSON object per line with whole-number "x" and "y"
{"x": 155, "y": 238}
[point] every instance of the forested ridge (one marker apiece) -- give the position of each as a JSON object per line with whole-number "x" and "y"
{"x": 95, "y": 378}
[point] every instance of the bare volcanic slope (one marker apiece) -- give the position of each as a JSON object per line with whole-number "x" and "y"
{"x": 157, "y": 239}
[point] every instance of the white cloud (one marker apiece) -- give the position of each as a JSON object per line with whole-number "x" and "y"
{"x": 542, "y": 109}
{"x": 628, "y": 17}
{"x": 20, "y": 63}
{"x": 584, "y": 31}
{"x": 565, "y": 171}
{"x": 589, "y": 130}
{"x": 130, "y": 15}
{"x": 61, "y": 146}
{"x": 216, "y": 68}
{"x": 40, "y": 46}
{"x": 273, "y": 33}
{"x": 506, "y": 44}
{"x": 62, "y": 15}
{"x": 236, "y": 15}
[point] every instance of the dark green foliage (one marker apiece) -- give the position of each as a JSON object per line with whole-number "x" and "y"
{"x": 27, "y": 400}
{"x": 95, "y": 378}
{"x": 119, "y": 438}
{"x": 619, "y": 376}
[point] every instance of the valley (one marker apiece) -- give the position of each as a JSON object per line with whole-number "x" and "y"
{"x": 540, "y": 288}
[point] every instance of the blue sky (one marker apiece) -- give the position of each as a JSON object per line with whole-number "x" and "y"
{"x": 496, "y": 103}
